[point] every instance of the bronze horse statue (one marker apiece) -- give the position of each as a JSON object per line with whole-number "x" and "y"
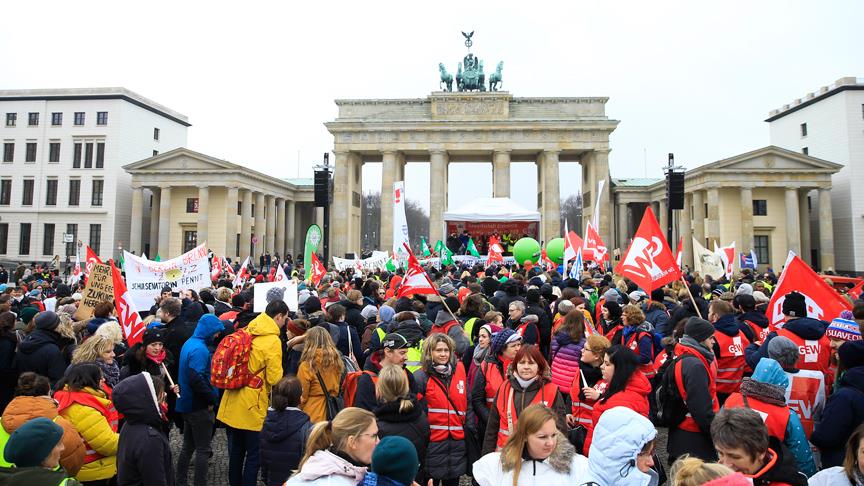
{"x": 495, "y": 80}
{"x": 446, "y": 78}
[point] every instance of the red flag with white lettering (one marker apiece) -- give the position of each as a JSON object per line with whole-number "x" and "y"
{"x": 496, "y": 251}
{"x": 318, "y": 270}
{"x": 216, "y": 268}
{"x": 649, "y": 261}
{"x": 92, "y": 260}
{"x": 823, "y": 302}
{"x": 415, "y": 280}
{"x": 130, "y": 321}
{"x": 594, "y": 250}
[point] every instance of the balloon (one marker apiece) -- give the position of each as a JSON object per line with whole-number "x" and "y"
{"x": 555, "y": 250}
{"x": 527, "y": 249}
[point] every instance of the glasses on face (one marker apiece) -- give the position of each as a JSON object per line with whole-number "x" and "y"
{"x": 372, "y": 436}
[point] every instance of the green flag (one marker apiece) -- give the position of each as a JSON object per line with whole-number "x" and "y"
{"x": 439, "y": 246}
{"x": 471, "y": 248}
{"x": 390, "y": 266}
{"x": 313, "y": 238}
{"x": 446, "y": 256}
{"x": 425, "y": 248}
{"x": 158, "y": 258}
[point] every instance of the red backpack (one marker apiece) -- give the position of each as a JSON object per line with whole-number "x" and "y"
{"x": 349, "y": 385}
{"x": 229, "y": 369}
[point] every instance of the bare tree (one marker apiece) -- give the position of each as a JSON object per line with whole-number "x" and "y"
{"x": 370, "y": 221}
{"x": 571, "y": 211}
{"x": 418, "y": 223}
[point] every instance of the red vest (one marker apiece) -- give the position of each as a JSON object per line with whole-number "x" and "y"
{"x": 805, "y": 395}
{"x": 66, "y": 398}
{"x": 661, "y": 358}
{"x": 582, "y": 410}
{"x": 633, "y": 343}
{"x": 776, "y": 418}
{"x": 443, "y": 329}
{"x": 522, "y": 327}
{"x": 730, "y": 361}
{"x": 493, "y": 381}
{"x": 758, "y": 331}
{"x": 689, "y": 424}
{"x": 814, "y": 354}
{"x": 444, "y": 421}
{"x": 545, "y": 395}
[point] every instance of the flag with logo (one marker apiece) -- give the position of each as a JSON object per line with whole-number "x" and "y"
{"x": 400, "y": 221}
{"x": 318, "y": 270}
{"x": 227, "y": 268}
{"x": 649, "y": 261}
{"x": 727, "y": 256}
{"x": 242, "y": 273}
{"x": 280, "y": 274}
{"x": 707, "y": 262}
{"x": 424, "y": 248}
{"x": 415, "y": 280}
{"x": 578, "y": 265}
{"x": 572, "y": 243}
{"x": 823, "y": 302}
{"x": 594, "y": 249}
{"x": 216, "y": 269}
{"x": 496, "y": 251}
{"x": 679, "y": 254}
{"x": 130, "y": 321}
{"x": 749, "y": 260}
{"x": 77, "y": 273}
{"x": 472, "y": 248}
{"x": 92, "y": 259}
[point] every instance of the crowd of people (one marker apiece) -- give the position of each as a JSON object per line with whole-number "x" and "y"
{"x": 509, "y": 375}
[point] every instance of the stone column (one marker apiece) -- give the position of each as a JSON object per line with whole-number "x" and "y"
{"x": 826, "y": 230}
{"x": 280, "y": 227}
{"x": 137, "y": 219}
{"x": 663, "y": 219}
{"x": 438, "y": 161}
{"x": 501, "y": 173}
{"x": 203, "y": 213}
{"x": 164, "y": 250}
{"x": 714, "y": 217}
{"x": 747, "y": 240}
{"x": 600, "y": 171}
{"x": 389, "y": 174}
{"x": 271, "y": 224}
{"x": 686, "y": 224}
{"x": 698, "y": 217}
{"x": 231, "y": 223}
{"x": 623, "y": 225}
{"x": 804, "y": 215}
{"x": 245, "y": 224}
{"x": 260, "y": 226}
{"x": 340, "y": 212}
{"x": 154, "y": 222}
{"x": 552, "y": 196}
{"x": 793, "y": 232}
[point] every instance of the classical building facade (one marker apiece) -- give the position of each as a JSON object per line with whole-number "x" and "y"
{"x": 182, "y": 198}
{"x": 446, "y": 128}
{"x": 829, "y": 124}
{"x": 62, "y": 167}
{"x": 765, "y": 200}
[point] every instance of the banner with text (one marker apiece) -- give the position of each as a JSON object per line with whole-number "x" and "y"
{"x": 100, "y": 286}
{"x": 377, "y": 261}
{"x": 146, "y": 278}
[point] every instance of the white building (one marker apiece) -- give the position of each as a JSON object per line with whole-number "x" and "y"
{"x": 829, "y": 124}
{"x": 62, "y": 167}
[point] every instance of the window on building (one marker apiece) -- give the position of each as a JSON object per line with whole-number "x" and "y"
{"x": 8, "y": 151}
{"x": 762, "y": 248}
{"x": 51, "y": 192}
{"x": 88, "y": 155}
{"x": 76, "y": 157}
{"x": 155, "y": 153}
{"x": 5, "y": 192}
{"x": 4, "y": 238}
{"x": 48, "y": 239}
{"x": 237, "y": 246}
{"x": 54, "y": 152}
{"x": 156, "y": 134}
{"x": 56, "y": 119}
{"x": 24, "y": 239}
{"x": 74, "y": 191}
{"x": 805, "y": 151}
{"x": 190, "y": 240}
{"x": 27, "y": 193}
{"x": 96, "y": 197}
{"x": 191, "y": 204}
{"x": 253, "y": 209}
{"x": 101, "y": 117}
{"x": 760, "y": 207}
{"x": 33, "y": 119}
{"x": 71, "y": 229}
{"x": 100, "y": 155}
{"x": 95, "y": 237}
{"x": 79, "y": 118}
{"x": 706, "y": 210}
{"x": 11, "y": 119}
{"x": 803, "y": 129}
{"x": 30, "y": 153}
{"x": 239, "y": 208}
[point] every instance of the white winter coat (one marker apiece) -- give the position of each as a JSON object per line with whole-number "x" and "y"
{"x": 833, "y": 476}
{"x": 564, "y": 466}
{"x": 327, "y": 469}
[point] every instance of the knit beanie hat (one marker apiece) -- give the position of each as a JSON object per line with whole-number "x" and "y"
{"x": 784, "y": 351}
{"x": 501, "y": 339}
{"x": 31, "y": 443}
{"x": 274, "y": 294}
{"x": 744, "y": 289}
{"x": 657, "y": 295}
{"x": 369, "y": 312}
{"x": 794, "y": 305}
{"x": 27, "y": 313}
{"x": 154, "y": 335}
{"x": 386, "y": 313}
{"x": 851, "y": 354}
{"x": 395, "y": 457}
{"x": 297, "y": 327}
{"x": 760, "y": 297}
{"x": 614, "y": 309}
{"x": 698, "y": 329}
{"x": 612, "y": 295}
{"x": 845, "y": 329}
{"x": 312, "y": 304}
{"x": 46, "y": 320}
{"x": 491, "y": 328}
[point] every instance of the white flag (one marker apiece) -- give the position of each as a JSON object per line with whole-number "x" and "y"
{"x": 707, "y": 262}
{"x": 400, "y": 222}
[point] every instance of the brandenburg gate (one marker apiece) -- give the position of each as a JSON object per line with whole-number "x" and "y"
{"x": 447, "y": 128}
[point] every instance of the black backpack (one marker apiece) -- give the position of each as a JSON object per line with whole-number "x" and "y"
{"x": 671, "y": 409}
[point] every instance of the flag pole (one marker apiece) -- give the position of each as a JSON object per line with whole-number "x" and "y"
{"x": 431, "y": 283}
{"x": 687, "y": 287}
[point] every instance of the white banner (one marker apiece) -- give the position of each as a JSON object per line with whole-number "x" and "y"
{"x": 289, "y": 296}
{"x": 596, "y": 220}
{"x": 707, "y": 262}
{"x": 146, "y": 278}
{"x": 374, "y": 262}
{"x": 400, "y": 222}
{"x": 466, "y": 260}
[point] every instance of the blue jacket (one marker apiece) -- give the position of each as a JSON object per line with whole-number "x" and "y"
{"x": 843, "y": 412}
{"x": 804, "y": 327}
{"x": 196, "y": 391}
{"x": 770, "y": 371}
{"x": 619, "y": 436}
{"x": 658, "y": 316}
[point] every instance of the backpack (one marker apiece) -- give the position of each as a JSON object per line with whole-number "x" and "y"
{"x": 229, "y": 369}
{"x": 349, "y": 385}
{"x": 671, "y": 409}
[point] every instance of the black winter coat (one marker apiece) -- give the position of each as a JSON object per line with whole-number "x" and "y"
{"x": 8, "y": 372}
{"x": 843, "y": 411}
{"x": 178, "y": 332}
{"x": 413, "y": 425}
{"x": 40, "y": 353}
{"x": 353, "y": 316}
{"x": 283, "y": 443}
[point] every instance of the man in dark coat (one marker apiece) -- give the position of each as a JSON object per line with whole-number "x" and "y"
{"x": 176, "y": 329}
{"x": 40, "y": 352}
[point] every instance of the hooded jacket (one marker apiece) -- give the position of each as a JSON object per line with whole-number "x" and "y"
{"x": 143, "y": 455}
{"x": 40, "y": 353}
{"x": 412, "y": 425}
{"x": 804, "y": 327}
{"x": 755, "y": 317}
{"x": 245, "y": 408}
{"x": 843, "y": 411}
{"x": 95, "y": 429}
{"x": 634, "y": 396}
{"x": 564, "y": 466}
{"x": 283, "y": 442}
{"x": 325, "y": 468}
{"x": 194, "y": 369}
{"x": 22, "y": 409}
{"x": 658, "y": 316}
{"x": 621, "y": 435}
{"x": 779, "y": 470}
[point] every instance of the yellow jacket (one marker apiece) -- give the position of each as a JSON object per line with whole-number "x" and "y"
{"x": 245, "y": 408}
{"x": 98, "y": 436}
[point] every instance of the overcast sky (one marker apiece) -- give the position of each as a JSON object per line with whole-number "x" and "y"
{"x": 258, "y": 79}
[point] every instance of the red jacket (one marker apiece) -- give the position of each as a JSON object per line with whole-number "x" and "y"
{"x": 634, "y": 396}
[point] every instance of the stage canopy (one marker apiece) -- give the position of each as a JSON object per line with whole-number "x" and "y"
{"x": 492, "y": 209}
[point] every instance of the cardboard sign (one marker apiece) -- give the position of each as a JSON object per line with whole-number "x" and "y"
{"x": 100, "y": 287}
{"x": 261, "y": 290}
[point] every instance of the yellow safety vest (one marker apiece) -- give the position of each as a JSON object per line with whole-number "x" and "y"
{"x": 469, "y": 327}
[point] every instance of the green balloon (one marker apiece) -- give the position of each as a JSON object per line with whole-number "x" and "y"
{"x": 555, "y": 250}
{"x": 526, "y": 249}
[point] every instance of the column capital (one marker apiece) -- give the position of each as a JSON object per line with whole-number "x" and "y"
{"x": 137, "y": 187}
{"x": 202, "y": 186}
{"x": 341, "y": 153}
{"x": 502, "y": 151}
{"x": 551, "y": 151}
{"x": 165, "y": 186}
{"x": 390, "y": 153}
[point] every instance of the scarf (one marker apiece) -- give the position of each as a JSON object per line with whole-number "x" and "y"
{"x": 110, "y": 372}
{"x": 524, "y": 383}
{"x": 158, "y": 359}
{"x": 480, "y": 354}
{"x": 859, "y": 476}
{"x": 766, "y": 392}
{"x": 443, "y": 370}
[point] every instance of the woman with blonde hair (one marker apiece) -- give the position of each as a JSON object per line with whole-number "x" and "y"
{"x": 319, "y": 372}
{"x": 338, "y": 451}
{"x": 442, "y": 384}
{"x": 692, "y": 471}
{"x": 99, "y": 350}
{"x": 398, "y": 413}
{"x": 536, "y": 453}
{"x": 112, "y": 331}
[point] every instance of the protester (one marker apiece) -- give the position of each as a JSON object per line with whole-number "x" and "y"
{"x": 143, "y": 453}
{"x": 610, "y": 320}
{"x": 590, "y": 375}
{"x": 394, "y": 351}
{"x": 536, "y": 453}
{"x": 481, "y": 350}
{"x": 338, "y": 452}
{"x": 844, "y": 410}
{"x": 348, "y": 341}
{"x": 320, "y": 373}
{"x": 35, "y": 449}
{"x": 40, "y": 352}
{"x": 111, "y": 330}
{"x": 8, "y": 370}
{"x": 851, "y": 471}
{"x": 285, "y": 432}
{"x": 623, "y": 453}
{"x": 394, "y": 463}
{"x": 399, "y": 414}
{"x": 729, "y": 350}
{"x": 638, "y": 336}
{"x": 503, "y": 348}
{"x": 692, "y": 471}
{"x": 99, "y": 350}
{"x": 566, "y": 350}
{"x": 806, "y": 389}
{"x": 295, "y": 334}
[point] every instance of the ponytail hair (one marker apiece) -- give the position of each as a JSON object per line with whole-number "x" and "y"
{"x": 350, "y": 422}
{"x": 392, "y": 386}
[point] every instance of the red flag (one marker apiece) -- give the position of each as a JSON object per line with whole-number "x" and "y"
{"x": 572, "y": 244}
{"x": 594, "y": 250}
{"x": 130, "y": 321}
{"x": 280, "y": 274}
{"x": 92, "y": 260}
{"x": 823, "y": 302}
{"x": 243, "y": 273}
{"x": 496, "y": 251}
{"x": 649, "y": 261}
{"x": 216, "y": 269}
{"x": 415, "y": 280}
{"x": 318, "y": 270}
{"x": 856, "y": 291}
{"x": 679, "y": 254}
{"x": 227, "y": 268}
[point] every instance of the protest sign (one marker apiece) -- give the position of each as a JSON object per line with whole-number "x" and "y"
{"x": 290, "y": 295}
{"x": 100, "y": 286}
{"x": 146, "y": 278}
{"x": 378, "y": 260}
